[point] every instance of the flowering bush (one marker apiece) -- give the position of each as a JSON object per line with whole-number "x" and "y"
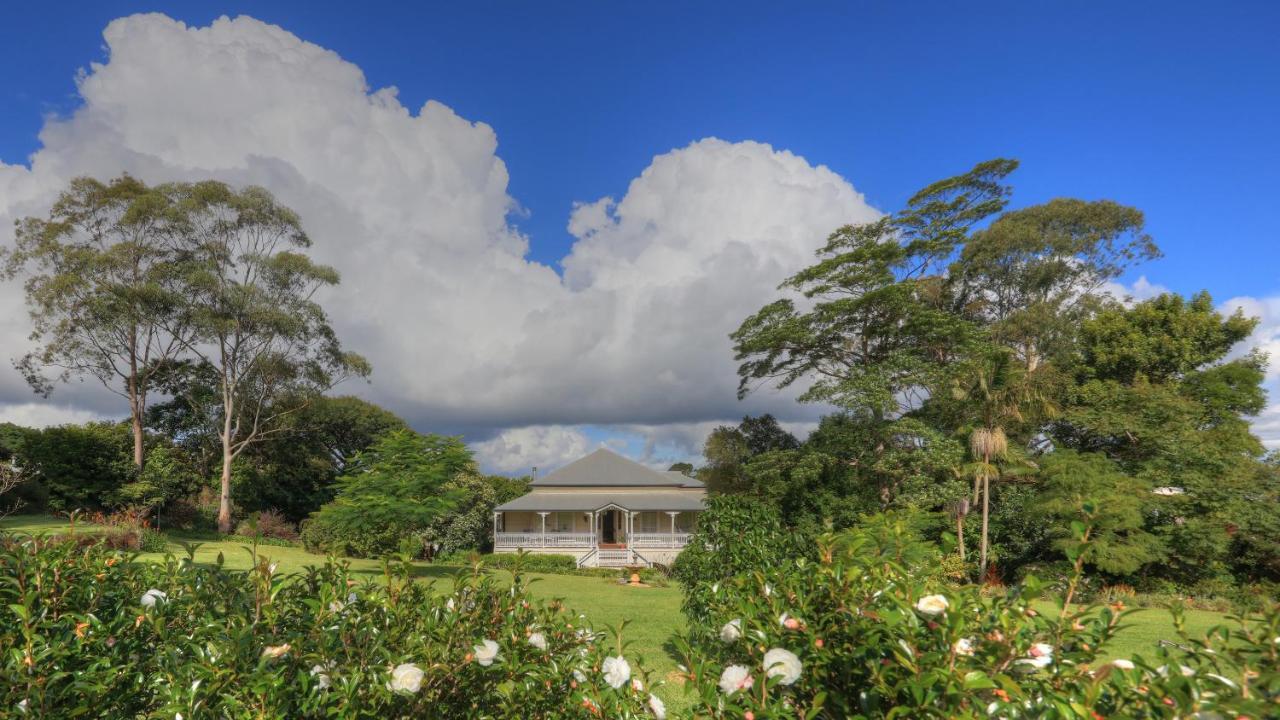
{"x": 87, "y": 632}
{"x": 857, "y": 634}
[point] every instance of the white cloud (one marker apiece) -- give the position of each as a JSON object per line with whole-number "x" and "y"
{"x": 545, "y": 447}
{"x": 464, "y": 332}
{"x": 1141, "y": 289}
{"x": 1265, "y": 337}
{"x": 45, "y": 414}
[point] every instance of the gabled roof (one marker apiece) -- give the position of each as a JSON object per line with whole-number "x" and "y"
{"x": 685, "y": 480}
{"x": 605, "y": 468}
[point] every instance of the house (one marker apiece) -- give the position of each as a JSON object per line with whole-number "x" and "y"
{"x": 604, "y": 509}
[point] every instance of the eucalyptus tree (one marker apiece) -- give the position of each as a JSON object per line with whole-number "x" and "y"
{"x": 101, "y": 290}
{"x": 250, "y": 296}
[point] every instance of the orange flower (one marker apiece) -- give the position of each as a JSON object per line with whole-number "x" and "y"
{"x": 818, "y": 642}
{"x": 80, "y": 628}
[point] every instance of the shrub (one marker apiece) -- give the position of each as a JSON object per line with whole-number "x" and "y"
{"x": 857, "y": 634}
{"x": 182, "y": 640}
{"x": 735, "y": 534}
{"x": 268, "y": 524}
{"x": 390, "y": 492}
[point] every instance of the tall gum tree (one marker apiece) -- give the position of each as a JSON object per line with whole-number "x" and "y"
{"x": 101, "y": 290}
{"x": 250, "y": 294}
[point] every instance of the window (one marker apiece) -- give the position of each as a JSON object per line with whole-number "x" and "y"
{"x": 647, "y": 522}
{"x": 560, "y": 522}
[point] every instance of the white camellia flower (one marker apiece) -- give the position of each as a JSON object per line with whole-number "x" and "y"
{"x": 637, "y": 685}
{"x": 153, "y": 596}
{"x": 538, "y": 640}
{"x": 658, "y": 707}
{"x": 932, "y": 605}
{"x": 579, "y": 676}
{"x": 1122, "y": 664}
{"x": 273, "y": 652}
{"x": 1041, "y": 656}
{"x": 731, "y": 631}
{"x": 735, "y": 678}
{"x": 486, "y": 652}
{"x": 964, "y": 646}
{"x": 616, "y": 671}
{"x": 406, "y": 678}
{"x": 450, "y": 605}
{"x": 321, "y": 674}
{"x": 782, "y": 664}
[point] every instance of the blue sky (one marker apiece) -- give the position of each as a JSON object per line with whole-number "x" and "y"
{"x": 1174, "y": 111}
{"x": 1172, "y": 108}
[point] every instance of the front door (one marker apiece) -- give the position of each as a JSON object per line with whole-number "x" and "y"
{"x": 609, "y": 520}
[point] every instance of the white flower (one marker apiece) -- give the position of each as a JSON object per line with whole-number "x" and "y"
{"x": 486, "y": 652}
{"x": 637, "y": 685}
{"x": 22, "y": 706}
{"x": 321, "y": 674}
{"x": 616, "y": 671}
{"x": 1122, "y": 664}
{"x": 579, "y": 676}
{"x": 153, "y": 596}
{"x": 1186, "y": 671}
{"x": 932, "y": 605}
{"x": 538, "y": 640}
{"x": 1041, "y": 656}
{"x": 963, "y": 646}
{"x": 450, "y": 605}
{"x": 735, "y": 678}
{"x": 273, "y": 652}
{"x": 406, "y": 678}
{"x": 731, "y": 631}
{"x": 658, "y": 707}
{"x": 783, "y": 664}
{"x": 177, "y": 716}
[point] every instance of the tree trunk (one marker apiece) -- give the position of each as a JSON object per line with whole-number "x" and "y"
{"x": 137, "y": 441}
{"x": 986, "y": 511}
{"x": 960, "y": 533}
{"x": 224, "y": 497}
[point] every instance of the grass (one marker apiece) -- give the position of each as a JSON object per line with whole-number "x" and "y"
{"x": 652, "y": 615}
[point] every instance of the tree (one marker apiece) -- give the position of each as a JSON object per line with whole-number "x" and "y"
{"x": 999, "y": 391}
{"x": 250, "y": 297}
{"x": 468, "y": 525}
{"x": 879, "y": 331}
{"x": 1120, "y": 543}
{"x": 390, "y": 494}
{"x": 1035, "y": 273}
{"x": 683, "y": 468}
{"x": 80, "y": 466}
{"x": 728, "y": 449}
{"x": 102, "y": 290}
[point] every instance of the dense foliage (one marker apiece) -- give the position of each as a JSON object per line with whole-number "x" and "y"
{"x": 983, "y": 368}
{"x": 735, "y": 534}
{"x": 869, "y": 630}
{"x": 86, "y": 632}
{"x": 390, "y": 495}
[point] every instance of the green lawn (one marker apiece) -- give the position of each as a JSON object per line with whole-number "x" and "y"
{"x": 652, "y": 614}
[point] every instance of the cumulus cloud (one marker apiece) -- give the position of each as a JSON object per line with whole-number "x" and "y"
{"x": 546, "y": 447}
{"x": 465, "y": 333}
{"x": 1265, "y": 337}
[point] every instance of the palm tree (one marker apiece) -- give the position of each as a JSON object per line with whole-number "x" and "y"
{"x": 1001, "y": 392}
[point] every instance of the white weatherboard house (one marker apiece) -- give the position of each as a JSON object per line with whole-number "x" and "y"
{"x": 604, "y": 509}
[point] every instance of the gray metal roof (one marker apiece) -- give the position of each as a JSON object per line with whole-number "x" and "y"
{"x": 608, "y": 469}
{"x": 685, "y": 480}
{"x": 585, "y": 502}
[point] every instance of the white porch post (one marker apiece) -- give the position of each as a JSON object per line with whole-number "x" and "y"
{"x": 543, "y": 515}
{"x": 673, "y": 523}
{"x": 495, "y": 529}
